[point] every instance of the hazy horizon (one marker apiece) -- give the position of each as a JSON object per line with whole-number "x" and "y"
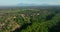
{"x": 36, "y": 2}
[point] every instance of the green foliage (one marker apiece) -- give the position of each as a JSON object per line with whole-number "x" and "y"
{"x": 30, "y": 20}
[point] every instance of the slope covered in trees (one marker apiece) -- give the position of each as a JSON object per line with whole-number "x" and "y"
{"x": 30, "y": 20}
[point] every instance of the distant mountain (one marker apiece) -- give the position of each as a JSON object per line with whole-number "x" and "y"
{"x": 23, "y": 4}
{"x": 29, "y": 5}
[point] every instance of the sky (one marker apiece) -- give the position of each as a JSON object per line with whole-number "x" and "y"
{"x": 15, "y": 2}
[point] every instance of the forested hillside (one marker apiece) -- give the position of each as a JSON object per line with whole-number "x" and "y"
{"x": 30, "y": 19}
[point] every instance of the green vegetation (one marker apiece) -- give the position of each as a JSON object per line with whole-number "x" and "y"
{"x": 30, "y": 20}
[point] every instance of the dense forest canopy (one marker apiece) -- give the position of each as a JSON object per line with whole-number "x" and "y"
{"x": 33, "y": 19}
